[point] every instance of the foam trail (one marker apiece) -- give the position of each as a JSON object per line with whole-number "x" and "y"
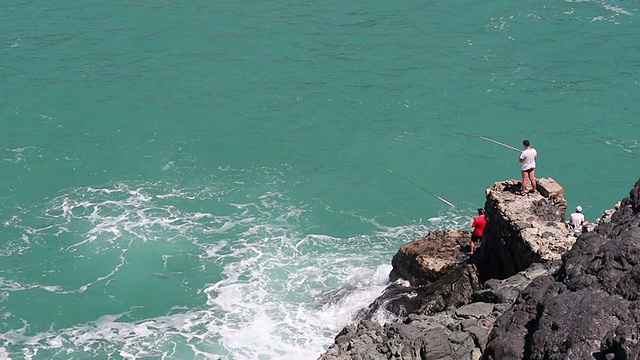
{"x": 243, "y": 280}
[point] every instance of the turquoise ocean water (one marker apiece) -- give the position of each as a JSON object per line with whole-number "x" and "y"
{"x": 210, "y": 179}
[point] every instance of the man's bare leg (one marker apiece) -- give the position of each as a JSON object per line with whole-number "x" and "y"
{"x": 532, "y": 177}
{"x": 525, "y": 179}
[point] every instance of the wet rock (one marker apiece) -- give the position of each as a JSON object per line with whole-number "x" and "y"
{"x": 452, "y": 289}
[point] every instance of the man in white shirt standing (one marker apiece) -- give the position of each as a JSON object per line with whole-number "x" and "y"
{"x": 528, "y": 167}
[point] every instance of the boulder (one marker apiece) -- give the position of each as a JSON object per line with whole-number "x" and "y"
{"x": 425, "y": 260}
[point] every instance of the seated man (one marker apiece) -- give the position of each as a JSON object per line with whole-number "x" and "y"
{"x": 576, "y": 221}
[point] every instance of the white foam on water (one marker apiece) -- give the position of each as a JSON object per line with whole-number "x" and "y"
{"x": 22, "y": 155}
{"x": 617, "y": 10}
{"x": 281, "y": 292}
{"x": 159, "y": 337}
{"x": 630, "y": 146}
{"x": 291, "y": 305}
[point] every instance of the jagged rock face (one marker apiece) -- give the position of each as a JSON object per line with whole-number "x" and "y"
{"x": 590, "y": 308}
{"x": 522, "y": 230}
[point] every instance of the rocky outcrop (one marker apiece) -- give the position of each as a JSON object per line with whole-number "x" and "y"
{"x": 523, "y": 230}
{"x": 448, "y": 304}
{"x": 590, "y": 308}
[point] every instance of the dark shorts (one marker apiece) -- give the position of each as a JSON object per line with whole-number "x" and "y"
{"x": 476, "y": 238}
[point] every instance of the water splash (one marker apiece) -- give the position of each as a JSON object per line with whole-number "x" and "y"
{"x": 229, "y": 276}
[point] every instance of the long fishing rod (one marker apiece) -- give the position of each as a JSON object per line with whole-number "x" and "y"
{"x": 426, "y": 190}
{"x": 499, "y": 143}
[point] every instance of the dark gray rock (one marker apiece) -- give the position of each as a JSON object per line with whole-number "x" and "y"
{"x": 572, "y": 324}
{"x": 460, "y": 333}
{"x": 590, "y": 307}
{"x": 370, "y": 341}
{"x": 475, "y": 310}
{"x": 453, "y": 289}
{"x": 480, "y": 336}
{"x": 508, "y": 338}
{"x": 462, "y": 344}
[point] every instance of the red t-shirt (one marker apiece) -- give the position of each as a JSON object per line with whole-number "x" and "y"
{"x": 479, "y": 222}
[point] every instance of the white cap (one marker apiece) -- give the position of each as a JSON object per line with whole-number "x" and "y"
{"x": 578, "y": 208}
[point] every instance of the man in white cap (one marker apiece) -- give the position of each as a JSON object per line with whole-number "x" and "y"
{"x": 576, "y": 220}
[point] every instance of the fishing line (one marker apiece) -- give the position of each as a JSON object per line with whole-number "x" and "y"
{"x": 498, "y": 142}
{"x": 426, "y": 190}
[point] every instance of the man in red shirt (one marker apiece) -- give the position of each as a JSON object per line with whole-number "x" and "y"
{"x": 479, "y": 222}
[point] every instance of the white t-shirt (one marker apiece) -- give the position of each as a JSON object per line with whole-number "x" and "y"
{"x": 576, "y": 220}
{"x": 529, "y": 157}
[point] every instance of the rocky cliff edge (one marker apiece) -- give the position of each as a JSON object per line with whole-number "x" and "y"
{"x": 448, "y": 306}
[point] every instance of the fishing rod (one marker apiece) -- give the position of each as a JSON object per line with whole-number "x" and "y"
{"x": 426, "y": 190}
{"x": 499, "y": 143}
